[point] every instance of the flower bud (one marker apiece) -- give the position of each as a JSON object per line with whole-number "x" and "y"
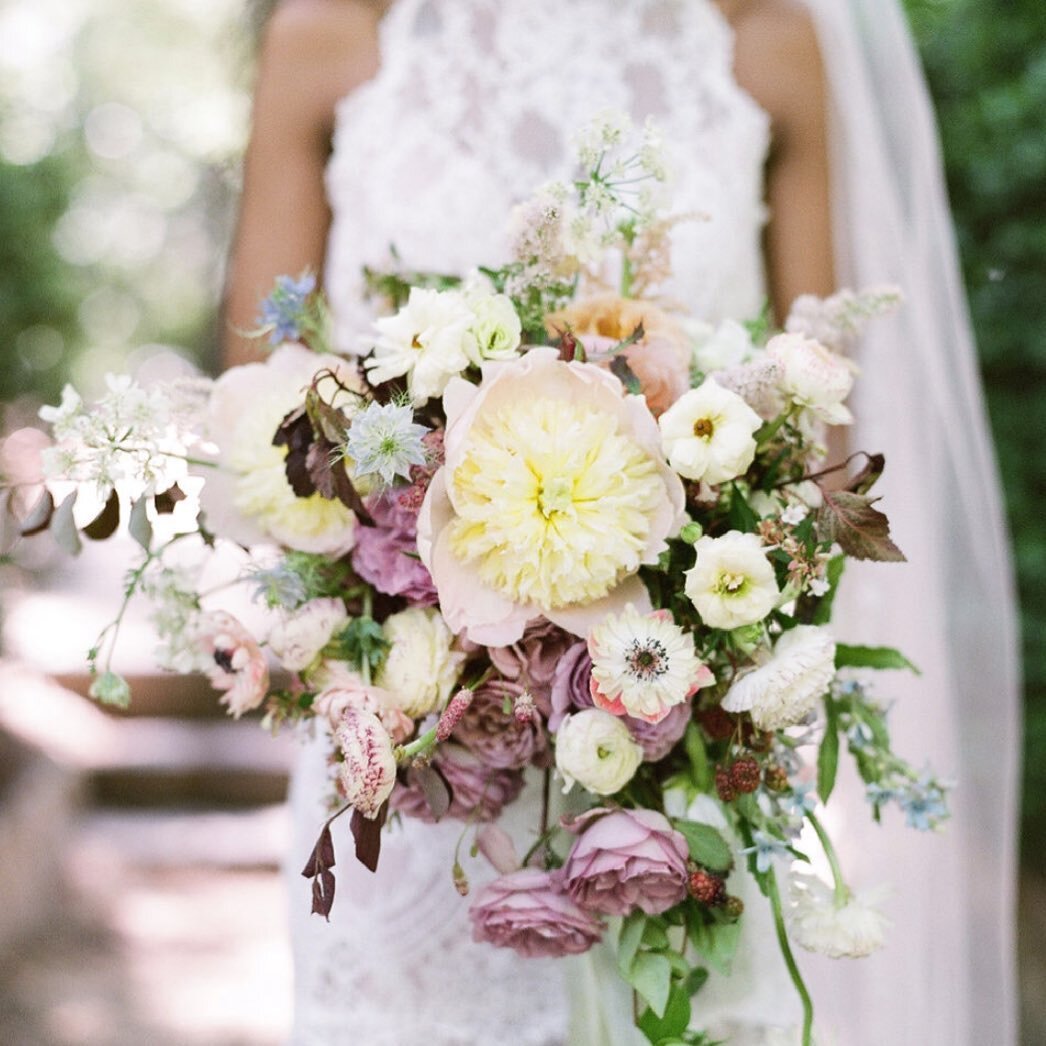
{"x": 368, "y": 769}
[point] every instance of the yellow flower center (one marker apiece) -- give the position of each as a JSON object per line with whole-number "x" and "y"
{"x": 729, "y": 583}
{"x": 703, "y": 428}
{"x": 554, "y": 504}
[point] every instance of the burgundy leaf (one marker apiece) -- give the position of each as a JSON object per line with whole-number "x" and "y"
{"x": 323, "y": 894}
{"x": 367, "y": 833}
{"x": 322, "y": 855}
{"x": 861, "y": 529}
{"x": 866, "y": 478}
{"x": 105, "y": 523}
{"x": 165, "y": 500}
{"x": 623, "y": 372}
{"x": 39, "y": 516}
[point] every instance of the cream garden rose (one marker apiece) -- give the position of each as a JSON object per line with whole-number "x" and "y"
{"x": 707, "y": 434}
{"x": 812, "y": 376}
{"x": 554, "y": 493}
{"x": 422, "y": 666}
{"x": 595, "y": 749}
{"x": 732, "y": 583}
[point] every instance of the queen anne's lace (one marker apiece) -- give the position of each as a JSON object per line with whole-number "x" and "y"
{"x": 475, "y": 106}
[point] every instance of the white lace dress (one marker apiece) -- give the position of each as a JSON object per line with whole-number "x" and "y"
{"x": 473, "y": 108}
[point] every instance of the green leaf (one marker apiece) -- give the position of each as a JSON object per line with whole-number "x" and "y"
{"x": 700, "y": 768}
{"x": 834, "y": 572}
{"x": 138, "y": 525}
{"x": 654, "y": 936}
{"x": 828, "y": 755}
{"x": 674, "y": 1022}
{"x": 880, "y": 657}
{"x": 651, "y": 976}
{"x": 716, "y": 942}
{"x": 63, "y": 527}
{"x": 707, "y": 845}
{"x": 628, "y": 941}
{"x": 741, "y": 515}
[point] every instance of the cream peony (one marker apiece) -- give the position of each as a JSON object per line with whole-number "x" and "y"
{"x": 643, "y": 665}
{"x": 812, "y": 376}
{"x": 427, "y": 342}
{"x": 298, "y": 637}
{"x": 595, "y": 749}
{"x": 708, "y": 433}
{"x": 554, "y": 493}
{"x": 247, "y": 498}
{"x": 819, "y": 923}
{"x": 785, "y": 689}
{"x": 421, "y": 668}
{"x": 732, "y": 583}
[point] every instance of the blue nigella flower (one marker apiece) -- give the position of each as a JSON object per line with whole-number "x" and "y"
{"x": 283, "y": 309}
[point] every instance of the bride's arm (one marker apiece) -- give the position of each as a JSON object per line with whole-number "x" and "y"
{"x": 777, "y": 60}
{"x": 314, "y": 52}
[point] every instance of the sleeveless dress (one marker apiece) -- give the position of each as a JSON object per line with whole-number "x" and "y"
{"x": 473, "y": 107}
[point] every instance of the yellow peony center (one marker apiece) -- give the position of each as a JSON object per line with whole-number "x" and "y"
{"x": 554, "y": 504}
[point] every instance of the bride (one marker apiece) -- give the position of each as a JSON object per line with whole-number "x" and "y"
{"x": 802, "y": 134}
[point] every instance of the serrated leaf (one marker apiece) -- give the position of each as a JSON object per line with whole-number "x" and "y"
{"x": 828, "y": 754}
{"x": 861, "y": 530}
{"x": 138, "y": 525}
{"x": 651, "y": 976}
{"x": 39, "y": 516}
{"x": 105, "y": 523}
{"x": 878, "y": 657}
{"x": 63, "y": 527}
{"x": 628, "y": 941}
{"x": 675, "y": 1021}
{"x": 707, "y": 845}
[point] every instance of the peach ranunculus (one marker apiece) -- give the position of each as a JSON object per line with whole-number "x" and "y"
{"x": 660, "y": 359}
{"x": 553, "y": 494}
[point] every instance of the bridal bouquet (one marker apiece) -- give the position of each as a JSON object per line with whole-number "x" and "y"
{"x": 543, "y": 526}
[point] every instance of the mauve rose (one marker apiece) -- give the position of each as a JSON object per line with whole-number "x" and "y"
{"x": 528, "y": 912}
{"x": 532, "y": 660}
{"x": 627, "y": 859}
{"x": 500, "y": 740}
{"x": 386, "y": 553}
{"x": 571, "y": 692}
{"x": 478, "y": 792}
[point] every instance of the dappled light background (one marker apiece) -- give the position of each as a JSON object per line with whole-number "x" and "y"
{"x": 140, "y": 896}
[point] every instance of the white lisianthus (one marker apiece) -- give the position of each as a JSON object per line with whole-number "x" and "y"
{"x": 421, "y": 668}
{"x": 595, "y": 749}
{"x": 813, "y": 376}
{"x": 368, "y": 768}
{"x": 819, "y": 923}
{"x": 707, "y": 433}
{"x": 299, "y": 636}
{"x": 718, "y": 347}
{"x": 785, "y": 689}
{"x": 496, "y": 329}
{"x": 643, "y": 665}
{"x": 732, "y": 583}
{"x": 427, "y": 342}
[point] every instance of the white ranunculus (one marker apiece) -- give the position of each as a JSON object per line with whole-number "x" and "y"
{"x": 421, "y": 668}
{"x": 732, "y": 583}
{"x": 785, "y": 689}
{"x": 427, "y": 342}
{"x": 718, "y": 347}
{"x": 819, "y": 924}
{"x": 707, "y": 433}
{"x": 595, "y": 749}
{"x": 813, "y": 376}
{"x": 368, "y": 767}
{"x": 298, "y": 637}
{"x": 496, "y": 328}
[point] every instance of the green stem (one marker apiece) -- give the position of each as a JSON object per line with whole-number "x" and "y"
{"x": 417, "y": 746}
{"x": 786, "y": 950}
{"x": 842, "y": 891}
{"x": 368, "y": 609}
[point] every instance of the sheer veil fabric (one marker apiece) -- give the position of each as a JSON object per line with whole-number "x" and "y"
{"x": 472, "y": 108}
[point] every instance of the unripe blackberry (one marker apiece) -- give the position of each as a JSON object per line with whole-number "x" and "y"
{"x": 776, "y": 778}
{"x": 745, "y": 775}
{"x": 734, "y": 907}
{"x": 707, "y": 888}
{"x": 724, "y": 785}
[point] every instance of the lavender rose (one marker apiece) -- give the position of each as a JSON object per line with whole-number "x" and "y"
{"x": 625, "y": 860}
{"x": 529, "y": 912}
{"x": 532, "y": 660}
{"x": 571, "y": 692}
{"x": 477, "y": 791}
{"x": 386, "y": 553}
{"x": 500, "y": 740}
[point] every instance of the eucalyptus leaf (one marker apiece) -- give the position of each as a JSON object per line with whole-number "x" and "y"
{"x": 63, "y": 527}
{"x": 138, "y": 525}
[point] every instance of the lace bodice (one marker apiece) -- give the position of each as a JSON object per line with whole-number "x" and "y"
{"x": 472, "y": 109}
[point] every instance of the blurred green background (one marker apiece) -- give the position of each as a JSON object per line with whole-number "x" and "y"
{"x": 121, "y": 125}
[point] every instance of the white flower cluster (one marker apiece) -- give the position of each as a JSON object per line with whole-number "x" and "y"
{"x": 127, "y": 436}
{"x": 175, "y": 616}
{"x": 439, "y": 334}
{"x": 836, "y": 321}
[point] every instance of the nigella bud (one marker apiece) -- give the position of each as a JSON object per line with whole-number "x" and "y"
{"x": 523, "y": 709}
{"x": 368, "y": 768}
{"x": 451, "y": 715}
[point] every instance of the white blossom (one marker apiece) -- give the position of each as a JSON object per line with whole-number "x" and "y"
{"x": 299, "y": 636}
{"x": 595, "y": 749}
{"x": 820, "y": 923}
{"x": 812, "y": 376}
{"x": 732, "y": 583}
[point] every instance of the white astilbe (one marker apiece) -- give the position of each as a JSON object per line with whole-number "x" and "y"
{"x": 836, "y": 321}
